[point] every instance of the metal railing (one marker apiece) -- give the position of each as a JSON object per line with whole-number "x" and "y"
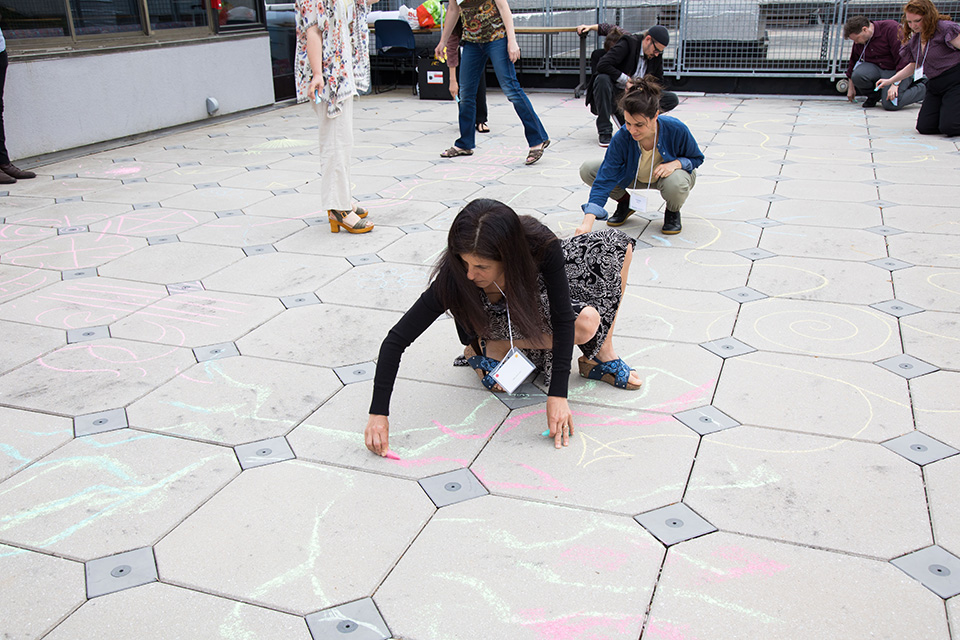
{"x": 741, "y": 38}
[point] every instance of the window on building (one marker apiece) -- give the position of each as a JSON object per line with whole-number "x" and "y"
{"x": 65, "y": 22}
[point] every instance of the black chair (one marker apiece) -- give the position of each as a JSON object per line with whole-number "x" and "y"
{"x": 395, "y": 41}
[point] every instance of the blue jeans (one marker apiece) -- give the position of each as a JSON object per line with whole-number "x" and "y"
{"x": 472, "y": 61}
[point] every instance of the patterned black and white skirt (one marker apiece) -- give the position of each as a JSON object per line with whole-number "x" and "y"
{"x": 593, "y": 264}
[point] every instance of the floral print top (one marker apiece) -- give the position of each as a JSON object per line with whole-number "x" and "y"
{"x": 481, "y": 21}
{"x": 346, "y": 55}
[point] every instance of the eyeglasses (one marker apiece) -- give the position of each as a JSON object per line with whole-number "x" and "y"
{"x": 658, "y": 49}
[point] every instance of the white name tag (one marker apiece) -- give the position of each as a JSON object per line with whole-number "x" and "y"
{"x": 918, "y": 73}
{"x": 638, "y": 201}
{"x": 512, "y": 370}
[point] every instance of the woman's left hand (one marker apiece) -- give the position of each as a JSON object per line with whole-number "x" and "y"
{"x": 513, "y": 50}
{"x": 559, "y": 420}
{"x": 664, "y": 169}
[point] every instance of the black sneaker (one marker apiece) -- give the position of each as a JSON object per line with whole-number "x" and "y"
{"x": 871, "y": 101}
{"x": 605, "y": 139}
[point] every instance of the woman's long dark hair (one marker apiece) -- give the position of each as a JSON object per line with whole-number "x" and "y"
{"x": 493, "y": 231}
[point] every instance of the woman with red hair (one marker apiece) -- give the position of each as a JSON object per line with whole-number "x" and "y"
{"x": 931, "y": 46}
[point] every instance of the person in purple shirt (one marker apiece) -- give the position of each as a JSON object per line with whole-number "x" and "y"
{"x": 875, "y": 55}
{"x": 931, "y": 49}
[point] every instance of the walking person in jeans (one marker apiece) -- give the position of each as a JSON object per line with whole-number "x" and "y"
{"x": 9, "y": 174}
{"x": 488, "y": 34}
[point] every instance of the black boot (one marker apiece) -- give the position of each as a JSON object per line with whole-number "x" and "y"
{"x": 671, "y": 223}
{"x": 622, "y": 213}
{"x": 6, "y": 179}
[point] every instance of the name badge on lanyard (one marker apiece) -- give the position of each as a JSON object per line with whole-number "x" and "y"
{"x": 638, "y": 201}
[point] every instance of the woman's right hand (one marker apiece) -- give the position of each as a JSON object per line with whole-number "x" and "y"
{"x": 377, "y": 434}
{"x": 454, "y": 87}
{"x": 316, "y": 86}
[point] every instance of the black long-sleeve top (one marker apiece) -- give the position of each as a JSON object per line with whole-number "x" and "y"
{"x": 428, "y": 308}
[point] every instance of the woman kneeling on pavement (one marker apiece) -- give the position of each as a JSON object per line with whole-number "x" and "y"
{"x": 651, "y": 151}
{"x": 508, "y": 279}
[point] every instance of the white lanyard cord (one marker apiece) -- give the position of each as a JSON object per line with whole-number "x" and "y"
{"x": 653, "y": 153}
{"x": 507, "y": 305}
{"x": 864, "y": 52}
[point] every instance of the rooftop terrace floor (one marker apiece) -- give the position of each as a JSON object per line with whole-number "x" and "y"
{"x": 185, "y": 363}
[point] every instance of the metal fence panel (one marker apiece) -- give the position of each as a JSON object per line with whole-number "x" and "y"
{"x": 733, "y": 38}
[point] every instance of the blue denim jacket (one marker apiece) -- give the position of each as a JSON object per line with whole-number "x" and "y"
{"x": 620, "y": 164}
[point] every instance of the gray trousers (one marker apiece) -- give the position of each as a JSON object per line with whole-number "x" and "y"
{"x": 865, "y": 77}
{"x": 674, "y": 189}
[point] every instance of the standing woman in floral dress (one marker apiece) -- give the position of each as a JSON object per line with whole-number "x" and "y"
{"x": 333, "y": 65}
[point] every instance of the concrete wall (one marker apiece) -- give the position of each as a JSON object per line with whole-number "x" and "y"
{"x": 61, "y": 103}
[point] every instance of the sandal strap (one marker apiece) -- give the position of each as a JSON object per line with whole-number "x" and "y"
{"x": 617, "y": 368}
{"x": 483, "y": 363}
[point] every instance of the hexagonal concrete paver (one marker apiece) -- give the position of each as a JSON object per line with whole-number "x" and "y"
{"x": 935, "y": 405}
{"x": 502, "y": 568}
{"x": 321, "y": 334}
{"x": 675, "y": 377}
{"x": 756, "y": 481}
{"x": 84, "y": 302}
{"x": 278, "y": 274}
{"x": 691, "y": 269}
{"x": 110, "y": 492}
{"x": 216, "y": 198}
{"x": 232, "y": 400}
{"x": 92, "y": 376}
{"x": 69, "y": 214}
{"x": 197, "y": 318}
{"x": 824, "y": 280}
{"x": 617, "y": 461}
{"x": 158, "y": 612}
{"x": 818, "y": 329}
{"x": 16, "y": 281}
{"x": 843, "y": 399}
{"x": 242, "y": 231}
{"x": 378, "y": 286}
{"x": 658, "y": 313}
{"x": 825, "y": 213}
{"x": 940, "y": 478}
{"x": 173, "y": 262}
{"x": 448, "y": 436}
{"x": 824, "y": 242}
{"x": 29, "y": 436}
{"x": 39, "y": 590}
{"x": 20, "y": 343}
{"x": 724, "y": 585}
{"x": 324, "y": 550}
{"x": 704, "y": 233}
{"x": 925, "y": 249}
{"x": 319, "y": 241}
{"x": 73, "y": 251}
{"x": 146, "y": 223}
{"x": 16, "y": 236}
{"x": 932, "y": 336}
{"x": 933, "y": 288}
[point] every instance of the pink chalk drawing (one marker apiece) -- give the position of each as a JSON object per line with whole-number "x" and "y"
{"x": 17, "y": 285}
{"x": 747, "y": 564}
{"x": 667, "y": 631}
{"x": 579, "y": 626}
{"x": 593, "y": 420}
{"x": 192, "y": 309}
{"x": 14, "y": 233}
{"x": 73, "y": 251}
{"x": 151, "y": 222}
{"x": 89, "y": 303}
{"x": 464, "y": 436}
{"x": 684, "y": 400}
{"x": 549, "y": 483}
{"x": 111, "y": 354}
{"x": 118, "y": 171}
{"x": 604, "y": 559}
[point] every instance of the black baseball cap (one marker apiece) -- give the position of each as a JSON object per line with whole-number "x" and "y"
{"x": 660, "y": 34}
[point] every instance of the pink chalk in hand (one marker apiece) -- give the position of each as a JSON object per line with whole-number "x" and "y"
{"x": 391, "y": 455}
